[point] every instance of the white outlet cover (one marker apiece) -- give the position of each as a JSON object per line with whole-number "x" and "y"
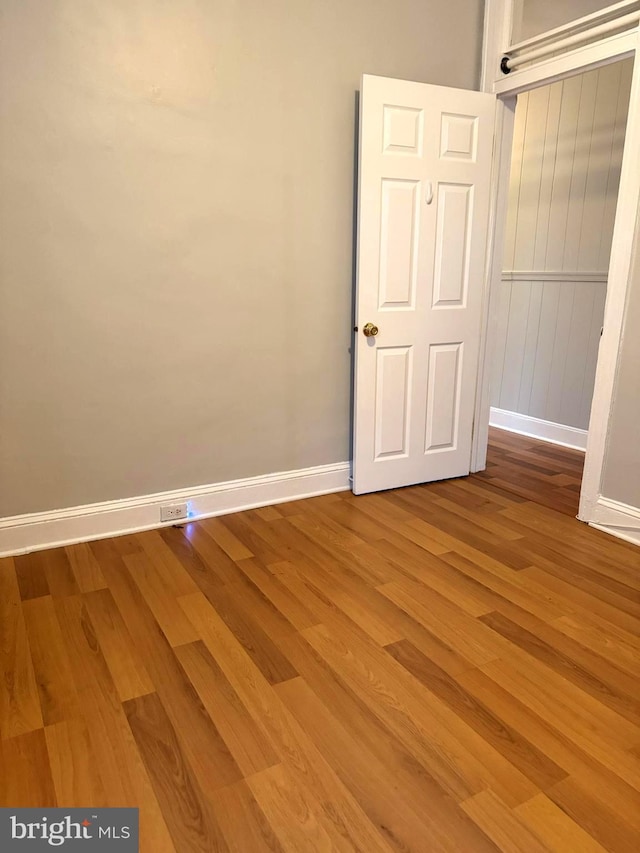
{"x": 173, "y": 512}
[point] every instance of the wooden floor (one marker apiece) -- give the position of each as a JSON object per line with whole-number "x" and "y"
{"x": 543, "y": 473}
{"x": 444, "y": 667}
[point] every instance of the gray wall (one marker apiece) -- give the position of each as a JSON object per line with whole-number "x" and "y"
{"x": 621, "y": 477}
{"x": 176, "y": 232}
{"x": 567, "y": 154}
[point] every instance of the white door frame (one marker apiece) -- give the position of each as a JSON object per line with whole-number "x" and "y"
{"x": 499, "y": 15}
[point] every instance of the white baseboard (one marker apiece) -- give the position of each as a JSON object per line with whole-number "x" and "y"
{"x": 618, "y": 519}
{"x": 567, "y": 436}
{"x": 626, "y": 533}
{"x": 34, "y": 532}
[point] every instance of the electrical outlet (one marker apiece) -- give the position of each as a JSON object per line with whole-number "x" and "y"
{"x": 173, "y": 512}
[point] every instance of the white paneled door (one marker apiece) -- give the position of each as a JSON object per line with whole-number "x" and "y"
{"x": 423, "y": 205}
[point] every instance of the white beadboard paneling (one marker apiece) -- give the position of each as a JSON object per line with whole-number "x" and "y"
{"x": 541, "y": 237}
{"x": 529, "y": 195}
{"x": 530, "y": 345}
{"x": 577, "y": 342}
{"x": 559, "y": 208}
{"x": 559, "y": 357}
{"x": 600, "y": 154}
{"x": 565, "y": 176}
{"x": 563, "y": 190}
{"x": 611, "y": 198}
{"x": 519, "y": 129}
{"x": 500, "y": 342}
{"x": 579, "y": 168}
{"x": 514, "y": 352}
{"x": 544, "y": 351}
{"x": 549, "y": 333}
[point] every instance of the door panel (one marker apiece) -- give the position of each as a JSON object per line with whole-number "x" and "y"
{"x": 393, "y": 396}
{"x": 403, "y": 128}
{"x": 425, "y": 160}
{"x": 459, "y": 137}
{"x": 453, "y": 232}
{"x": 445, "y": 366}
{"x": 398, "y": 243}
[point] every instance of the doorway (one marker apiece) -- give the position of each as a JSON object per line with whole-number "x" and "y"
{"x": 565, "y": 170}
{"x": 509, "y": 69}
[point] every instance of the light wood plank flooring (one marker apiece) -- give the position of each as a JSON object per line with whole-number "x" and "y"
{"x": 450, "y": 667}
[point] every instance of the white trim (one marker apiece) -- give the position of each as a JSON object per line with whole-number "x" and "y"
{"x": 498, "y": 24}
{"x": 626, "y": 533}
{"x": 560, "y": 45}
{"x": 617, "y": 518}
{"x": 500, "y": 172}
{"x": 625, "y": 252}
{"x": 551, "y": 275}
{"x": 616, "y": 513}
{"x": 33, "y": 532}
{"x": 567, "y": 436}
{"x": 604, "y": 51}
{"x": 586, "y": 58}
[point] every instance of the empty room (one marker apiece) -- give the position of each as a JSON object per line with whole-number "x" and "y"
{"x": 320, "y": 426}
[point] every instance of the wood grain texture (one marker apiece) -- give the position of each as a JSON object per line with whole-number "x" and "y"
{"x": 30, "y": 572}
{"x": 76, "y": 774}
{"x": 127, "y": 669}
{"x": 113, "y": 748}
{"x": 251, "y": 750}
{"x": 51, "y": 661}
{"x": 448, "y": 667}
{"x": 243, "y": 823}
{"x": 85, "y": 567}
{"x": 25, "y": 773}
{"x": 555, "y": 828}
{"x": 20, "y": 710}
{"x": 184, "y": 806}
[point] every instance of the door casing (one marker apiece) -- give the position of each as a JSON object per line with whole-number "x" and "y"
{"x": 499, "y": 15}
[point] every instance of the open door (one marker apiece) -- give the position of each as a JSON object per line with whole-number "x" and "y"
{"x": 423, "y": 209}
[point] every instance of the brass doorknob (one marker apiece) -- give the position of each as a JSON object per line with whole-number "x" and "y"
{"x": 370, "y": 331}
